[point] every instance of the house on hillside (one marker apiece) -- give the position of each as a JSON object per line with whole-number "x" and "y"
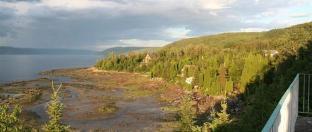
{"x": 147, "y": 59}
{"x": 189, "y": 80}
{"x": 270, "y": 53}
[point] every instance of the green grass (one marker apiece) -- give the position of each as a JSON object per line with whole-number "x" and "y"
{"x": 170, "y": 108}
{"x": 108, "y": 108}
{"x": 134, "y": 92}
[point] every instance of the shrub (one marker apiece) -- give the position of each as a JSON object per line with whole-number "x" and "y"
{"x": 10, "y": 121}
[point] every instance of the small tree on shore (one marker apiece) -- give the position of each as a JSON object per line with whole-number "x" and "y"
{"x": 187, "y": 114}
{"x": 10, "y": 121}
{"x": 55, "y": 109}
{"x": 220, "y": 118}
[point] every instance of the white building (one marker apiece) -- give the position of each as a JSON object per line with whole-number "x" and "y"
{"x": 189, "y": 80}
{"x": 270, "y": 53}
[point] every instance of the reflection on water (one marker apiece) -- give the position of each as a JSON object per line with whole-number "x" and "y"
{"x": 26, "y": 67}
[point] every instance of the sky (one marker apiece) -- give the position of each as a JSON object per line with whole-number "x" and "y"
{"x": 101, "y": 24}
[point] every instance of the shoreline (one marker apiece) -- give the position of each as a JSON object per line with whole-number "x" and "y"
{"x": 90, "y": 92}
{"x": 95, "y": 97}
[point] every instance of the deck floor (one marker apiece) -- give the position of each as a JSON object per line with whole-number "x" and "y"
{"x": 304, "y": 124}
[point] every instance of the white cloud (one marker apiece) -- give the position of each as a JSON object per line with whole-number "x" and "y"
{"x": 268, "y": 13}
{"x": 213, "y": 13}
{"x": 298, "y": 15}
{"x": 135, "y": 6}
{"x": 177, "y": 32}
{"x": 216, "y": 4}
{"x": 21, "y": 8}
{"x": 78, "y": 4}
{"x": 144, "y": 43}
{"x": 253, "y": 29}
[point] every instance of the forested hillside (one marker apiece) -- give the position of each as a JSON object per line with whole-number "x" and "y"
{"x": 255, "y": 67}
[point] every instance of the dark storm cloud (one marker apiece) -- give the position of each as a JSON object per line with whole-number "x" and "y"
{"x": 83, "y": 31}
{"x": 5, "y": 24}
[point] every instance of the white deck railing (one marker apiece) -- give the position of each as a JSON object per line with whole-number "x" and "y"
{"x": 284, "y": 116}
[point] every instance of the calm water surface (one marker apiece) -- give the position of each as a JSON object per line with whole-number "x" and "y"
{"x": 26, "y": 67}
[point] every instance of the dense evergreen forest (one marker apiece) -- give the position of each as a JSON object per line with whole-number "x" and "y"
{"x": 254, "y": 67}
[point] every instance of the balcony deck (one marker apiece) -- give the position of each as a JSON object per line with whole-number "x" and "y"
{"x": 294, "y": 110}
{"x": 304, "y": 124}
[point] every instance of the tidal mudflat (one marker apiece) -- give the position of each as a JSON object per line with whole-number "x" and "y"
{"x": 98, "y": 100}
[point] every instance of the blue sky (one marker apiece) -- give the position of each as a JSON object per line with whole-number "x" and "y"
{"x": 100, "y": 24}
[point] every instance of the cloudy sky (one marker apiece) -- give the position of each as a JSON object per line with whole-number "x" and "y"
{"x": 99, "y": 24}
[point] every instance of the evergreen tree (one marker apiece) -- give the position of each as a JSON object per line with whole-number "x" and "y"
{"x": 186, "y": 114}
{"x": 55, "y": 109}
{"x": 229, "y": 86}
{"x": 220, "y": 118}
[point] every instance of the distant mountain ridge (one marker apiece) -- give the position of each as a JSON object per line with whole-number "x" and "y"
{"x": 6, "y": 50}
{"x": 125, "y": 50}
